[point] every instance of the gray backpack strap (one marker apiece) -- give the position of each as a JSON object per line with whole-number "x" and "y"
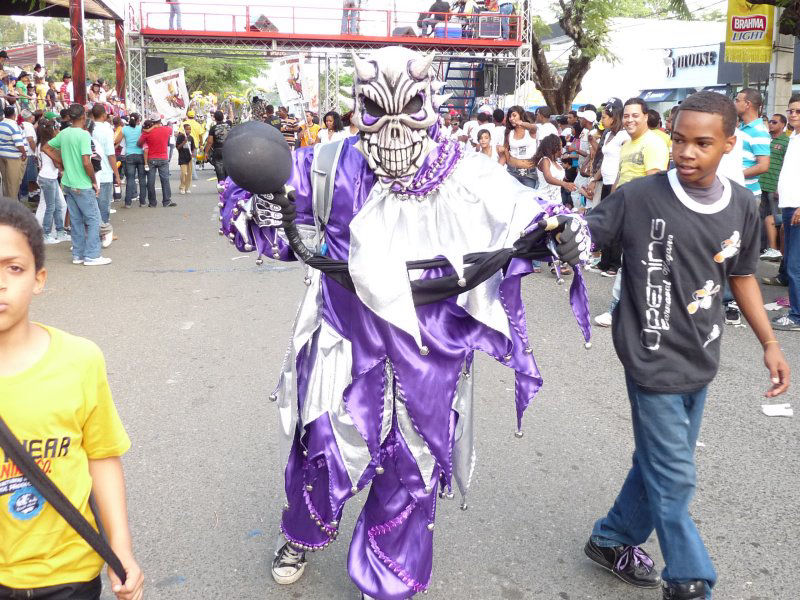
{"x": 323, "y": 172}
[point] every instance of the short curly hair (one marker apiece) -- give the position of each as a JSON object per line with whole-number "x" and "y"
{"x": 712, "y": 103}
{"x": 17, "y": 216}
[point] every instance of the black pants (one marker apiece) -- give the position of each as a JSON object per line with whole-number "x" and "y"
{"x": 89, "y": 590}
{"x": 611, "y": 257}
{"x": 219, "y": 165}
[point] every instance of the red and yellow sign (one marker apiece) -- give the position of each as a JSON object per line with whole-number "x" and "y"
{"x": 749, "y": 36}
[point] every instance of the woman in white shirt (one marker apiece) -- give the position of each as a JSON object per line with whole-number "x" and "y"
{"x": 48, "y": 183}
{"x": 613, "y": 139}
{"x": 486, "y": 147}
{"x": 520, "y": 146}
{"x": 334, "y": 130}
{"x": 550, "y": 172}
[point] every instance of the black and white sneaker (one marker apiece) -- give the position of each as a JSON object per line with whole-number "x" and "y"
{"x": 288, "y": 565}
{"x": 732, "y": 314}
{"x": 630, "y": 563}
{"x": 689, "y": 590}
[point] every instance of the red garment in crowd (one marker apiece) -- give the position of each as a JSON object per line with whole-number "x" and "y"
{"x": 157, "y": 140}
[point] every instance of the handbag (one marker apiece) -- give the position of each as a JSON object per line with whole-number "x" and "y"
{"x": 45, "y": 486}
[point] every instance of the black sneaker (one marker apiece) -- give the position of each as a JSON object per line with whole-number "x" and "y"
{"x": 732, "y": 314}
{"x": 684, "y": 591}
{"x": 630, "y": 563}
{"x": 288, "y": 565}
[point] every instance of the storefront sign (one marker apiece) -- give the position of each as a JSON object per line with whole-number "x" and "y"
{"x": 749, "y": 36}
{"x": 687, "y": 61}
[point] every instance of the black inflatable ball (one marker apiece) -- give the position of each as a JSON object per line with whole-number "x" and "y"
{"x": 257, "y": 157}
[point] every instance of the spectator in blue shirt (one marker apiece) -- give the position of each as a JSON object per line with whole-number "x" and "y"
{"x": 755, "y": 137}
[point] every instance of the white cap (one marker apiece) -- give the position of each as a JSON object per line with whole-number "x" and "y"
{"x": 589, "y": 115}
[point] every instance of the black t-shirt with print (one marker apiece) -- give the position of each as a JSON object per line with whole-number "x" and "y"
{"x": 184, "y": 152}
{"x": 219, "y": 131}
{"x": 678, "y": 254}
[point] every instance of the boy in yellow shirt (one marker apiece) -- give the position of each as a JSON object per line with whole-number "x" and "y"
{"x": 55, "y": 398}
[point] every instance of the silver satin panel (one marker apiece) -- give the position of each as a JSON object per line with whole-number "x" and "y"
{"x": 306, "y": 322}
{"x": 388, "y": 400}
{"x": 479, "y": 207}
{"x": 419, "y": 449}
{"x": 464, "y": 450}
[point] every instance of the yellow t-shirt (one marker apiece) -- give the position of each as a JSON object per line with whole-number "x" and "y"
{"x": 41, "y": 92}
{"x": 664, "y": 136}
{"x": 309, "y": 135}
{"x": 644, "y": 154}
{"x": 62, "y": 412}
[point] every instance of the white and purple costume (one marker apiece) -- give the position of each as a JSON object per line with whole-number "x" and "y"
{"x": 373, "y": 389}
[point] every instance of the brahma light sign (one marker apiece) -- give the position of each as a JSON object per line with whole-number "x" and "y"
{"x": 749, "y": 36}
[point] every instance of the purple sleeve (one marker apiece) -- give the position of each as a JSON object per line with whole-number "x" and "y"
{"x": 265, "y": 240}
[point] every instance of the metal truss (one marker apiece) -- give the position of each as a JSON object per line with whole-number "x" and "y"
{"x": 331, "y": 58}
{"x": 330, "y": 96}
{"x": 524, "y": 52}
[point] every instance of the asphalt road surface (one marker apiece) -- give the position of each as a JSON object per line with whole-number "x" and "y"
{"x": 194, "y": 334}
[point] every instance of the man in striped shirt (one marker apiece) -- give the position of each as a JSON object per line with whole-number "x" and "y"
{"x": 755, "y": 138}
{"x": 13, "y": 155}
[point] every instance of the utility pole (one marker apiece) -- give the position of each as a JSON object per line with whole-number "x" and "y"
{"x": 40, "y": 41}
{"x": 779, "y": 87}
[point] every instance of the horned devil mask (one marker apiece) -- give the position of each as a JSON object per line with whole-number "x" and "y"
{"x": 394, "y": 107}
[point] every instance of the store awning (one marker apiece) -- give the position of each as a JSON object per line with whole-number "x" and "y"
{"x": 657, "y": 95}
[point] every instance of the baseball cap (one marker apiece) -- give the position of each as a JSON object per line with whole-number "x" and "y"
{"x": 22, "y": 74}
{"x": 66, "y": 76}
{"x": 589, "y": 115}
{"x": 26, "y": 114}
{"x": 614, "y": 104}
{"x": 50, "y": 115}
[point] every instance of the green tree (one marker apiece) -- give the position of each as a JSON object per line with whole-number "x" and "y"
{"x": 11, "y": 32}
{"x": 587, "y": 24}
{"x": 217, "y": 75}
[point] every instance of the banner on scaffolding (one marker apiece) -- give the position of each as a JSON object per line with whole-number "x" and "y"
{"x": 749, "y": 36}
{"x": 169, "y": 94}
{"x": 298, "y": 83}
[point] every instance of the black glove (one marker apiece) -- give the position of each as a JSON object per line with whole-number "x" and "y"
{"x": 274, "y": 210}
{"x": 572, "y": 238}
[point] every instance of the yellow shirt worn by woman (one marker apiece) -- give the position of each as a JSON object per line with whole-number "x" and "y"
{"x": 309, "y": 135}
{"x": 62, "y": 412}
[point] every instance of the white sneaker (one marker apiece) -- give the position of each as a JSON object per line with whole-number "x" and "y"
{"x": 77, "y": 261}
{"x": 181, "y": 192}
{"x": 772, "y": 254}
{"x": 603, "y": 320}
{"x": 112, "y": 211}
{"x": 188, "y": 191}
{"x": 96, "y": 262}
{"x": 106, "y": 239}
{"x": 288, "y": 565}
{"x": 63, "y": 236}
{"x": 51, "y": 239}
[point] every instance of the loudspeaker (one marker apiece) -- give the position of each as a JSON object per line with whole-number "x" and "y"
{"x": 404, "y": 31}
{"x": 480, "y": 83}
{"x": 505, "y": 80}
{"x": 154, "y": 65}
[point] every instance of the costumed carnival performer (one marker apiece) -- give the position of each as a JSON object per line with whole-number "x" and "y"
{"x": 376, "y": 387}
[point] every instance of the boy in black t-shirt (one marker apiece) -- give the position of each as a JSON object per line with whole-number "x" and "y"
{"x": 683, "y": 233}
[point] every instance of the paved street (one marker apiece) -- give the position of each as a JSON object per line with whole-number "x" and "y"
{"x": 194, "y": 334}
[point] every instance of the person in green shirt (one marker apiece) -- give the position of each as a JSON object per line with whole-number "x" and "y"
{"x": 22, "y": 90}
{"x": 71, "y": 151}
{"x": 769, "y": 187}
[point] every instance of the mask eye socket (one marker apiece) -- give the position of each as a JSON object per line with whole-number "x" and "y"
{"x": 372, "y": 108}
{"x": 414, "y": 105}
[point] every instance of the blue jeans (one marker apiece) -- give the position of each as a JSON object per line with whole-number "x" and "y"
{"x": 791, "y": 262}
{"x": 174, "y": 11}
{"x": 104, "y": 201}
{"x": 162, "y": 167}
{"x": 49, "y": 189}
{"x": 660, "y": 485}
{"x": 349, "y": 21}
{"x": 29, "y": 175}
{"x": 505, "y": 9}
{"x": 134, "y": 168}
{"x": 85, "y": 218}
